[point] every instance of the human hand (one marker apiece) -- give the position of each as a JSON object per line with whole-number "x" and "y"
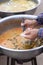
{"x": 29, "y": 23}
{"x": 30, "y": 33}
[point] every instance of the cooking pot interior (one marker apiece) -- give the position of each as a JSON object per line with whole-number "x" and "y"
{"x": 18, "y": 54}
{"x": 4, "y": 26}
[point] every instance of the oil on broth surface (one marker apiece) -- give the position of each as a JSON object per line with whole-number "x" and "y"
{"x": 11, "y": 39}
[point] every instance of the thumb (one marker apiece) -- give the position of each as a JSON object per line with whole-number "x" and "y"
{"x": 24, "y": 23}
{"x": 26, "y": 36}
{"x": 26, "y": 32}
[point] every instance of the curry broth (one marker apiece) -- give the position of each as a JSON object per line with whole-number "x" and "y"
{"x": 10, "y": 36}
{"x": 11, "y": 39}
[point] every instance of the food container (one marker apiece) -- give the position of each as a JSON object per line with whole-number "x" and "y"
{"x": 15, "y": 53}
{"x": 31, "y": 11}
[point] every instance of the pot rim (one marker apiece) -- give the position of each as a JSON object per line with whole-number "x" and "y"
{"x": 18, "y": 16}
{"x": 14, "y": 17}
{"x": 16, "y": 50}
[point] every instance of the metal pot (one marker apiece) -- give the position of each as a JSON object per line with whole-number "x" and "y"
{"x": 31, "y": 11}
{"x": 17, "y": 54}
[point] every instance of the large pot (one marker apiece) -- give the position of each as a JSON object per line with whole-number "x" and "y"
{"x": 17, "y": 54}
{"x": 31, "y": 11}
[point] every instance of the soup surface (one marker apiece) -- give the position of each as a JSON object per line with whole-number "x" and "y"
{"x": 12, "y": 39}
{"x": 17, "y": 5}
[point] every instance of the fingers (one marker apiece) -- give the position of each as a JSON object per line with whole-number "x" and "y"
{"x": 26, "y": 22}
{"x": 26, "y": 33}
{"x": 29, "y": 23}
{"x": 30, "y": 33}
{"x": 28, "y": 36}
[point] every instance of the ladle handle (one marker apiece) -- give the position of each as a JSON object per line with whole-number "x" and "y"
{"x": 23, "y": 27}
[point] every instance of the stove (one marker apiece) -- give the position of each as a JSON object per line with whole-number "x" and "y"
{"x": 20, "y": 62}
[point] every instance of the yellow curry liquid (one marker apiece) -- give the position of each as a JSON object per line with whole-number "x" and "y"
{"x": 12, "y": 39}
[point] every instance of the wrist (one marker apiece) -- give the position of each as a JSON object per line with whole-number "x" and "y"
{"x": 40, "y": 19}
{"x": 40, "y": 33}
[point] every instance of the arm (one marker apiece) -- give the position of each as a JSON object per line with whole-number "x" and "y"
{"x": 40, "y": 19}
{"x": 33, "y": 33}
{"x": 40, "y": 33}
